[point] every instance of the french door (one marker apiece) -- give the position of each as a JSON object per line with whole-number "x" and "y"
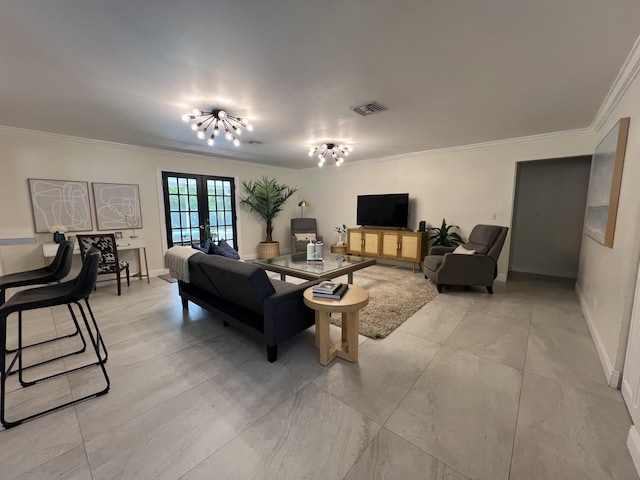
{"x": 195, "y": 204}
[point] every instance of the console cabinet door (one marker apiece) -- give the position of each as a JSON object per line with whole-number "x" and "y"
{"x": 371, "y": 243}
{"x": 390, "y": 244}
{"x": 354, "y": 241}
{"x": 410, "y": 246}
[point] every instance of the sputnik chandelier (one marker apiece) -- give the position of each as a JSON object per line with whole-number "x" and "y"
{"x": 337, "y": 152}
{"x": 213, "y": 122}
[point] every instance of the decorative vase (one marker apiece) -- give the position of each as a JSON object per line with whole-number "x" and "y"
{"x": 58, "y": 237}
{"x": 341, "y": 238}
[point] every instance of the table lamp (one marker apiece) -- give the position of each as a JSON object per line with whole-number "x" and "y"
{"x": 303, "y": 204}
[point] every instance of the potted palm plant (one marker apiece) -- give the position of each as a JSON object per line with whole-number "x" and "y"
{"x": 266, "y": 198}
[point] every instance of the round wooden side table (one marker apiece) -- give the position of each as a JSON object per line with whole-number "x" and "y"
{"x": 354, "y": 299}
{"x": 339, "y": 249}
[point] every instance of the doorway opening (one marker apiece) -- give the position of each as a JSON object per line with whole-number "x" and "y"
{"x": 548, "y": 216}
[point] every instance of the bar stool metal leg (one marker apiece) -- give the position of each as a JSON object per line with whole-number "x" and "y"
{"x": 97, "y": 343}
{"x": 21, "y": 347}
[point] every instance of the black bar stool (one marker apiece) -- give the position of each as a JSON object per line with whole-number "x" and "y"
{"x": 67, "y": 293}
{"x": 54, "y": 272}
{"x": 58, "y": 269}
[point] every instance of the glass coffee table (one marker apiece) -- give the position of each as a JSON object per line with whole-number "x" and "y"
{"x": 333, "y": 266}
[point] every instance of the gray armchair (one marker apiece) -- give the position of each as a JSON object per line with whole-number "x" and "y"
{"x": 443, "y": 267}
{"x": 300, "y": 226}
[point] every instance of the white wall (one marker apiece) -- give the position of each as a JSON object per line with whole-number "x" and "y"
{"x": 464, "y": 185}
{"x": 606, "y": 277}
{"x": 26, "y": 154}
{"x": 546, "y": 234}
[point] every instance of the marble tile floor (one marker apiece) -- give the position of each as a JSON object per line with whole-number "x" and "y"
{"x": 472, "y": 386}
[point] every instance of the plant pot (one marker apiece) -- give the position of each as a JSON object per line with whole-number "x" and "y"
{"x": 268, "y": 250}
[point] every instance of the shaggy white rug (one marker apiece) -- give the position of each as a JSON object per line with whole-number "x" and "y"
{"x": 395, "y": 293}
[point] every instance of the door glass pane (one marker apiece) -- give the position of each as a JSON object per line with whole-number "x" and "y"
{"x": 175, "y": 220}
{"x": 182, "y": 186}
{"x": 193, "y": 189}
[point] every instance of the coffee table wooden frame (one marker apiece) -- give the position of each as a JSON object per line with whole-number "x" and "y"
{"x": 349, "y": 306}
{"x": 347, "y": 269}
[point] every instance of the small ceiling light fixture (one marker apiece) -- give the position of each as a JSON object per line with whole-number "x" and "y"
{"x": 213, "y": 122}
{"x": 337, "y": 152}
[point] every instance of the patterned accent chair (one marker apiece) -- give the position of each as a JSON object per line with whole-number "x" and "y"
{"x": 109, "y": 262}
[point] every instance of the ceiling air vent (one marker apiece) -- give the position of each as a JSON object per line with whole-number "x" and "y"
{"x": 368, "y": 108}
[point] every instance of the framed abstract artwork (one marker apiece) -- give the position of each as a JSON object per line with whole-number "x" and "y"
{"x": 60, "y": 203}
{"x": 117, "y": 206}
{"x": 604, "y": 184}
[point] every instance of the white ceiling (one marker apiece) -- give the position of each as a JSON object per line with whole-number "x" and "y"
{"x": 451, "y": 72}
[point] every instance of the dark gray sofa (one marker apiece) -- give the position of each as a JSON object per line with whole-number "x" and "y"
{"x": 242, "y": 295}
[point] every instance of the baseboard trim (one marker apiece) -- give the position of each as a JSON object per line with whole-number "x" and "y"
{"x": 612, "y": 375}
{"x": 633, "y": 445}
{"x": 543, "y": 271}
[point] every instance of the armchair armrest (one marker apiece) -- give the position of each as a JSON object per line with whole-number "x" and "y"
{"x": 440, "y": 250}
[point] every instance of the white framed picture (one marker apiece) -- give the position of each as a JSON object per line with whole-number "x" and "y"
{"x": 117, "y": 206}
{"x": 60, "y": 203}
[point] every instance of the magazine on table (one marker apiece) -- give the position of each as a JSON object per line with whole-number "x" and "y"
{"x": 337, "y": 295}
{"x": 326, "y": 286}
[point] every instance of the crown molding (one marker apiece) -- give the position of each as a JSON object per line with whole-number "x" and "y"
{"x": 626, "y": 75}
{"x": 495, "y": 143}
{"x": 24, "y": 132}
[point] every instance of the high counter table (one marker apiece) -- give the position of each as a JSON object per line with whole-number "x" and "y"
{"x": 49, "y": 250}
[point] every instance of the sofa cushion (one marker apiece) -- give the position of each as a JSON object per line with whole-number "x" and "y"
{"x": 243, "y": 284}
{"x": 207, "y": 247}
{"x": 226, "y": 250}
{"x": 204, "y": 248}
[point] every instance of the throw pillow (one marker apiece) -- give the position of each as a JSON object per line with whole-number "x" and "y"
{"x": 227, "y": 250}
{"x": 463, "y": 251}
{"x": 203, "y": 248}
{"x": 305, "y": 236}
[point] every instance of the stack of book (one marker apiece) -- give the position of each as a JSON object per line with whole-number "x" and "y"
{"x": 330, "y": 289}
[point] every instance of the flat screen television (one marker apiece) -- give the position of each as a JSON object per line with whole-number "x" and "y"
{"x": 386, "y": 210}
